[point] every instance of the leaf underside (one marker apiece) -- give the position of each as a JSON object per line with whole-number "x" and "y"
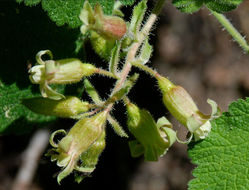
{"x": 221, "y": 6}
{"x": 67, "y": 11}
{"x": 222, "y": 159}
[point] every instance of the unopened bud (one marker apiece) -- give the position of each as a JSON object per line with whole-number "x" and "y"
{"x": 101, "y": 46}
{"x": 110, "y": 27}
{"x": 68, "y": 107}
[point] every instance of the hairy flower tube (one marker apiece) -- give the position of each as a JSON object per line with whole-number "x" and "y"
{"x": 89, "y": 159}
{"x": 109, "y": 27}
{"x": 63, "y": 71}
{"x": 152, "y": 140}
{"x": 77, "y": 141}
{"x": 69, "y": 107}
{"x": 182, "y": 107}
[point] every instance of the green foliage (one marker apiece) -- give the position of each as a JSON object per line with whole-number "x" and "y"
{"x": 137, "y": 17}
{"x": 127, "y": 2}
{"x": 222, "y": 158}
{"x": 190, "y": 6}
{"x": 29, "y": 2}
{"x": 67, "y": 12}
{"x": 12, "y": 111}
{"x": 22, "y": 40}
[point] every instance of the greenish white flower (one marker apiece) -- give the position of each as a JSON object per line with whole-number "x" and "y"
{"x": 63, "y": 71}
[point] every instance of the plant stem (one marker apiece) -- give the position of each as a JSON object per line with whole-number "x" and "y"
{"x": 158, "y": 7}
{"x": 231, "y": 30}
{"x": 164, "y": 83}
{"x": 149, "y": 70}
{"x": 135, "y": 46}
{"x": 106, "y": 73}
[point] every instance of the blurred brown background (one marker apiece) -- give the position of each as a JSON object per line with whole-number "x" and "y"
{"x": 194, "y": 52}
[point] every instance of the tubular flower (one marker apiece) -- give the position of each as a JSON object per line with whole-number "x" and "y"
{"x": 69, "y": 107}
{"x": 78, "y": 141}
{"x": 63, "y": 71}
{"x": 152, "y": 139}
{"x": 182, "y": 107}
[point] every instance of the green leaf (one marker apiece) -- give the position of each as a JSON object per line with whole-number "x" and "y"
{"x": 67, "y": 11}
{"x": 15, "y": 117}
{"x": 92, "y": 92}
{"x": 138, "y": 16}
{"x": 127, "y": 2}
{"x": 117, "y": 127}
{"x": 190, "y": 6}
{"x": 145, "y": 53}
{"x": 122, "y": 92}
{"x": 223, "y": 158}
{"x": 29, "y": 2}
{"x": 114, "y": 60}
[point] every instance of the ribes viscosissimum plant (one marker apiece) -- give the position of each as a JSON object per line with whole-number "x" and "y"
{"x": 125, "y": 44}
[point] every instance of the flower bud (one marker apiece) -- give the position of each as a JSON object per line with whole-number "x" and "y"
{"x": 69, "y": 107}
{"x": 78, "y": 141}
{"x": 101, "y": 46}
{"x": 142, "y": 125}
{"x": 110, "y": 27}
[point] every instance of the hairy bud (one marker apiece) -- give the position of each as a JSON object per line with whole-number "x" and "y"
{"x": 110, "y": 27}
{"x": 68, "y": 107}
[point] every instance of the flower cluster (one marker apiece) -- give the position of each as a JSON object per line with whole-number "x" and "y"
{"x": 81, "y": 147}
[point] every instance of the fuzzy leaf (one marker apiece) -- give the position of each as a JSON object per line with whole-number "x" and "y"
{"x": 67, "y": 11}
{"x": 127, "y": 2}
{"x": 121, "y": 93}
{"x": 15, "y": 117}
{"x": 29, "y": 2}
{"x": 138, "y": 16}
{"x": 190, "y": 6}
{"x": 222, "y": 158}
{"x": 145, "y": 53}
{"x": 114, "y": 60}
{"x": 117, "y": 127}
{"x": 92, "y": 92}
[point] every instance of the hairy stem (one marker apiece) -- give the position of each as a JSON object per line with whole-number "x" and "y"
{"x": 231, "y": 30}
{"x": 133, "y": 50}
{"x": 106, "y": 73}
{"x": 135, "y": 46}
{"x": 145, "y": 68}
